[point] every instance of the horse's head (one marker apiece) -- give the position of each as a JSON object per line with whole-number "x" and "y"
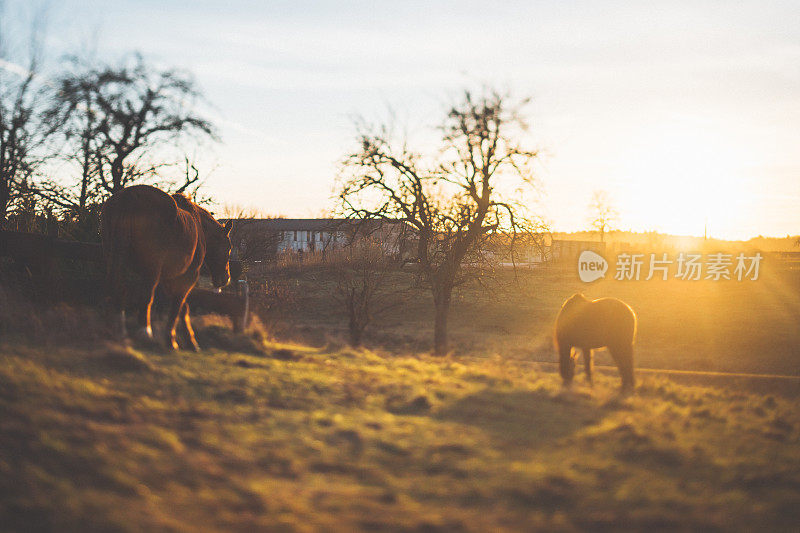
{"x": 218, "y": 251}
{"x": 574, "y": 301}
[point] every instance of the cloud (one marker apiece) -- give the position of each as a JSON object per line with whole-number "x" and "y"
{"x": 13, "y": 68}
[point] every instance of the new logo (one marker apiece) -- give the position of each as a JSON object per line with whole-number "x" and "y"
{"x": 591, "y": 266}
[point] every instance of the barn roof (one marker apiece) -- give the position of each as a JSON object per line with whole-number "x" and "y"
{"x": 313, "y": 224}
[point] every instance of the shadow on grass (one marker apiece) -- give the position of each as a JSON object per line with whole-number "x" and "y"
{"x": 524, "y": 418}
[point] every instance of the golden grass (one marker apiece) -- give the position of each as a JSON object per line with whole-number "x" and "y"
{"x": 253, "y": 434}
{"x": 342, "y": 439}
{"x": 748, "y": 326}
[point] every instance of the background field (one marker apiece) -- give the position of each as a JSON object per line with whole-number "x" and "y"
{"x": 732, "y": 326}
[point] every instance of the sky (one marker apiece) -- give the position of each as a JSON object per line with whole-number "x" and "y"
{"x": 686, "y": 113}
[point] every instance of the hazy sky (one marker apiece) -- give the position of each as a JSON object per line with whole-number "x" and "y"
{"x": 682, "y": 111}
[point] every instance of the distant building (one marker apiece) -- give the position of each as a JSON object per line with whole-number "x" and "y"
{"x": 266, "y": 239}
{"x": 562, "y": 251}
{"x": 278, "y": 236}
{"x": 540, "y": 249}
{"x": 521, "y": 250}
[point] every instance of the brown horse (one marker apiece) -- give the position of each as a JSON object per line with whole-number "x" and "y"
{"x": 166, "y": 239}
{"x": 589, "y": 324}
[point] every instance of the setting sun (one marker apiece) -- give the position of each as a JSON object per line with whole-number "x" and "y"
{"x": 681, "y": 176}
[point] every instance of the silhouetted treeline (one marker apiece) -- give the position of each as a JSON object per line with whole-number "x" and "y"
{"x": 72, "y": 135}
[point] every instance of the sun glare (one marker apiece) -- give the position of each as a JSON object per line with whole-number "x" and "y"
{"x": 681, "y": 178}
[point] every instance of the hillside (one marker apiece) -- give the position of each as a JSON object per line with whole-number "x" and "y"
{"x": 98, "y": 437}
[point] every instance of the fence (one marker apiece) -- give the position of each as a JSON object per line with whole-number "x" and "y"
{"x": 42, "y": 258}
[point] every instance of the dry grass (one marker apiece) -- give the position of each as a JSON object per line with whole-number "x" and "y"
{"x": 252, "y": 434}
{"x": 748, "y": 326}
{"x": 23, "y": 319}
{"x": 301, "y": 439}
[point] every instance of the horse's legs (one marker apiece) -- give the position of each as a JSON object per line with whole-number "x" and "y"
{"x": 118, "y": 306}
{"x": 188, "y": 326}
{"x": 172, "y": 321}
{"x": 178, "y": 289}
{"x": 623, "y": 356}
{"x": 116, "y": 289}
{"x": 566, "y": 364}
{"x": 149, "y": 290}
{"x": 588, "y": 363}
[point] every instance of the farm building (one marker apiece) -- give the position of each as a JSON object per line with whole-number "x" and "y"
{"x": 266, "y": 239}
{"x": 563, "y": 251}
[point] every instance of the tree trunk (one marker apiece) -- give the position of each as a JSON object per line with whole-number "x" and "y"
{"x": 441, "y": 300}
{"x": 355, "y": 337}
{"x": 85, "y": 175}
{"x": 5, "y": 195}
{"x": 117, "y": 174}
{"x": 355, "y": 331}
{"x": 356, "y": 323}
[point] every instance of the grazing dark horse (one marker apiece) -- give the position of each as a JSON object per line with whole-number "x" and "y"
{"x": 589, "y": 324}
{"x": 166, "y": 239}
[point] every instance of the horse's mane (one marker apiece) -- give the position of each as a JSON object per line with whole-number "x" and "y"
{"x": 187, "y": 204}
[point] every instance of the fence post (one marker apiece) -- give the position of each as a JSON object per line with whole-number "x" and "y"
{"x": 245, "y": 289}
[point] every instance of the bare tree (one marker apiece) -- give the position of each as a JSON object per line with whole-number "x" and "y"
{"x": 22, "y": 100}
{"x": 457, "y": 201}
{"x": 79, "y": 116}
{"x": 602, "y": 213}
{"x": 122, "y": 118}
{"x": 363, "y": 272}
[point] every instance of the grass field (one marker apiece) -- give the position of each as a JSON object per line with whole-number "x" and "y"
{"x": 257, "y": 435}
{"x": 300, "y": 439}
{"x": 731, "y": 326}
